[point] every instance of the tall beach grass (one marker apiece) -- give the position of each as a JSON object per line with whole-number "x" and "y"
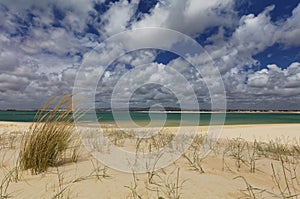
{"x": 49, "y": 136}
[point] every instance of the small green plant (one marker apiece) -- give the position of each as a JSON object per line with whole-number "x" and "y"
{"x": 285, "y": 181}
{"x": 274, "y": 149}
{"x": 236, "y": 149}
{"x": 193, "y": 154}
{"x": 162, "y": 139}
{"x": 75, "y": 149}
{"x": 116, "y": 136}
{"x": 172, "y": 187}
{"x": 250, "y": 190}
{"x": 8, "y": 140}
{"x": 253, "y": 155}
{"x": 253, "y": 192}
{"x": 62, "y": 191}
{"x": 134, "y": 194}
{"x": 289, "y": 186}
{"x": 152, "y": 171}
{"x": 11, "y": 176}
{"x": 149, "y": 143}
{"x": 98, "y": 173}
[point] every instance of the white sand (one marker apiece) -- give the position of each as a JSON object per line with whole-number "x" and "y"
{"x": 80, "y": 181}
{"x": 262, "y": 132}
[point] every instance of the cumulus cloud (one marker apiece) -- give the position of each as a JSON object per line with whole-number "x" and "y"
{"x": 253, "y": 35}
{"x": 275, "y": 78}
{"x": 259, "y": 79}
{"x": 190, "y": 17}
{"x": 117, "y": 18}
{"x": 8, "y": 61}
{"x": 43, "y": 44}
{"x": 11, "y": 82}
{"x": 290, "y": 30}
{"x": 274, "y": 86}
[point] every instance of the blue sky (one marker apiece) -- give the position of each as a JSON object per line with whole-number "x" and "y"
{"x": 43, "y": 43}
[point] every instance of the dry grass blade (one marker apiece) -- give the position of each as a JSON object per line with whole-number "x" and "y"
{"x": 254, "y": 192}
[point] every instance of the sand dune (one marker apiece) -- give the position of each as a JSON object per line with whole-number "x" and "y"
{"x": 90, "y": 179}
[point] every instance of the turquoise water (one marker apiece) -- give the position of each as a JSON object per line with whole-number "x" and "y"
{"x": 173, "y": 119}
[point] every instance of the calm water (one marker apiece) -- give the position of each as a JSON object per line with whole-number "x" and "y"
{"x": 173, "y": 119}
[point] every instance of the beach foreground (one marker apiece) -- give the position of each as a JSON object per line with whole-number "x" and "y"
{"x": 249, "y": 161}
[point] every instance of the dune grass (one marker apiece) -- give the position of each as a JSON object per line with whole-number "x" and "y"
{"x": 10, "y": 176}
{"x": 49, "y": 137}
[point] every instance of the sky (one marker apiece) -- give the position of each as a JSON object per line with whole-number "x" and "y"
{"x": 255, "y": 43}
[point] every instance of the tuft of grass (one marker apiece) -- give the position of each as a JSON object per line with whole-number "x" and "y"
{"x": 63, "y": 191}
{"x": 98, "y": 173}
{"x": 173, "y": 186}
{"x": 192, "y": 156}
{"x": 11, "y": 176}
{"x": 9, "y": 140}
{"x": 134, "y": 194}
{"x": 286, "y": 180}
{"x": 236, "y": 149}
{"x": 253, "y": 155}
{"x": 279, "y": 147}
{"x": 116, "y": 136}
{"x": 49, "y": 137}
{"x": 254, "y": 192}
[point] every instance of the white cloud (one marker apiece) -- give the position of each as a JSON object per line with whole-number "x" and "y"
{"x": 8, "y": 61}
{"x": 290, "y": 33}
{"x": 259, "y": 79}
{"x": 41, "y": 59}
{"x": 117, "y": 18}
{"x": 11, "y": 82}
{"x": 190, "y": 17}
{"x": 276, "y": 80}
{"x": 254, "y": 34}
{"x": 152, "y": 84}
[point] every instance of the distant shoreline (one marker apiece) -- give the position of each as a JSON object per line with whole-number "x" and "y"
{"x": 183, "y": 111}
{"x": 267, "y": 112}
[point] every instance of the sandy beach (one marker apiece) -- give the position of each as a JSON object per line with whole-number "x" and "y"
{"x": 262, "y": 132}
{"x": 223, "y": 176}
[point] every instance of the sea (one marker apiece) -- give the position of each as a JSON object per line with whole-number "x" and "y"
{"x": 170, "y": 118}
